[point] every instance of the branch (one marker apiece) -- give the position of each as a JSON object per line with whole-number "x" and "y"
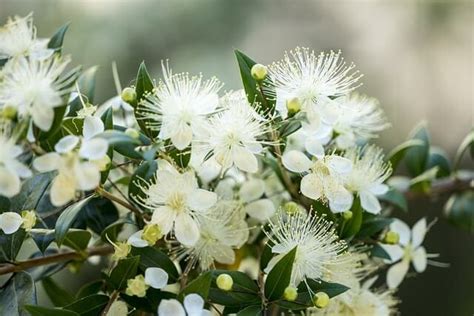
{"x": 65, "y": 256}
{"x": 125, "y": 204}
{"x": 442, "y": 187}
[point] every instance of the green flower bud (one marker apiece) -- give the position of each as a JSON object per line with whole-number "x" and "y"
{"x": 391, "y": 238}
{"x": 347, "y": 215}
{"x": 224, "y": 282}
{"x": 129, "y": 95}
{"x": 151, "y": 234}
{"x": 259, "y": 72}
{"x": 291, "y": 208}
{"x": 293, "y": 105}
{"x": 321, "y": 300}
{"x": 290, "y": 294}
{"x": 9, "y": 112}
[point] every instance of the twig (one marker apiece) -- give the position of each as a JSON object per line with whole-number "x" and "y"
{"x": 442, "y": 187}
{"x": 125, "y": 204}
{"x": 112, "y": 299}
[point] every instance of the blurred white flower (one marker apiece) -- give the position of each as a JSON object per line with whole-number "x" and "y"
{"x": 34, "y": 87}
{"x": 234, "y": 135}
{"x": 306, "y": 77}
{"x": 18, "y": 38}
{"x": 408, "y": 250}
{"x": 367, "y": 176}
{"x": 324, "y": 178}
{"x": 78, "y": 167}
{"x": 318, "y": 245}
{"x": 180, "y": 105}
{"x": 175, "y": 199}
{"x": 193, "y": 306}
{"x": 10, "y": 222}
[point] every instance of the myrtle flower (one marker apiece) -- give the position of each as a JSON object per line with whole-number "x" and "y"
{"x": 18, "y": 38}
{"x": 408, "y": 250}
{"x": 34, "y": 88}
{"x": 234, "y": 135}
{"x": 367, "y": 176}
{"x": 11, "y": 168}
{"x": 175, "y": 199}
{"x": 318, "y": 245}
{"x": 307, "y": 78}
{"x": 180, "y": 105}
{"x": 156, "y": 278}
{"x": 78, "y": 166}
{"x": 324, "y": 178}
{"x": 222, "y": 230}
{"x": 148, "y": 236}
{"x": 10, "y": 222}
{"x": 193, "y": 306}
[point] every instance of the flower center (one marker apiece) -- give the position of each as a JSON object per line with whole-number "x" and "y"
{"x": 177, "y": 202}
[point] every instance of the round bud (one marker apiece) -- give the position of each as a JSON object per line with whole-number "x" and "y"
{"x": 291, "y": 208}
{"x": 151, "y": 234}
{"x": 293, "y": 106}
{"x": 391, "y": 238}
{"x": 29, "y": 219}
{"x": 129, "y": 95}
{"x": 133, "y": 133}
{"x": 290, "y": 294}
{"x": 224, "y": 282}
{"x": 259, "y": 72}
{"x": 9, "y": 112}
{"x": 347, "y": 215}
{"x": 321, "y": 300}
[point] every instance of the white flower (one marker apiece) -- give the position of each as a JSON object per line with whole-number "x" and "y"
{"x": 193, "y": 306}
{"x": 78, "y": 167}
{"x": 324, "y": 180}
{"x": 18, "y": 38}
{"x": 179, "y": 106}
{"x": 157, "y": 278}
{"x": 34, "y": 88}
{"x": 408, "y": 250}
{"x": 367, "y": 177}
{"x": 308, "y": 77}
{"x": 11, "y": 169}
{"x": 222, "y": 230}
{"x": 10, "y": 222}
{"x": 235, "y": 134}
{"x": 318, "y": 245}
{"x": 175, "y": 199}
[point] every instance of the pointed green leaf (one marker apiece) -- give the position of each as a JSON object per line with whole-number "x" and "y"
{"x": 152, "y": 257}
{"x": 89, "y": 306}
{"x": 66, "y": 219}
{"x": 44, "y": 311}
{"x": 279, "y": 277}
{"x": 397, "y": 153}
{"x": 466, "y": 144}
{"x": 56, "y": 41}
{"x": 416, "y": 157}
{"x": 58, "y": 295}
{"x": 16, "y": 293}
{"x": 125, "y": 269}
{"x": 460, "y": 210}
{"x": 200, "y": 286}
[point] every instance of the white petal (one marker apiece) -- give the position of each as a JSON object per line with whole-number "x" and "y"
{"x": 244, "y": 159}
{"x": 223, "y": 254}
{"x": 338, "y": 164}
{"x": 42, "y": 117}
{"x": 262, "y": 209}
{"x": 10, "y": 222}
{"x": 164, "y": 217}
{"x": 314, "y": 147}
{"x": 157, "y": 278}
{"x": 340, "y": 200}
{"x": 418, "y": 232}
{"x": 94, "y": 149}
{"x": 419, "y": 259}
{"x": 311, "y": 186}
{"x": 21, "y": 170}
{"x": 10, "y": 184}
{"x": 194, "y": 304}
{"x": 186, "y": 229}
{"x": 136, "y": 240}
{"x": 92, "y": 126}
{"x": 252, "y": 190}
{"x": 280, "y": 104}
{"x": 171, "y": 307}
{"x": 379, "y": 189}
{"x": 87, "y": 176}
{"x": 47, "y": 162}
{"x": 296, "y": 161}
{"x": 369, "y": 202}
{"x": 63, "y": 190}
{"x": 345, "y": 140}
{"x": 402, "y": 229}
{"x": 394, "y": 251}
{"x": 201, "y": 199}
{"x": 66, "y": 144}
{"x": 396, "y": 273}
{"x": 183, "y": 137}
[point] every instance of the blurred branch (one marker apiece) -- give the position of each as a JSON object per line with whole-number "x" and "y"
{"x": 442, "y": 187}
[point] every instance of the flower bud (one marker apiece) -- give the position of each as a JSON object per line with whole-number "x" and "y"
{"x": 136, "y": 286}
{"x": 122, "y": 249}
{"x": 259, "y": 72}
{"x": 290, "y": 294}
{"x": 293, "y": 106}
{"x": 321, "y": 300}
{"x": 151, "y": 234}
{"x": 224, "y": 282}
{"x": 129, "y": 95}
{"x": 347, "y": 215}
{"x": 133, "y": 133}
{"x": 291, "y": 208}
{"x": 391, "y": 238}
{"x": 29, "y": 219}
{"x": 9, "y": 112}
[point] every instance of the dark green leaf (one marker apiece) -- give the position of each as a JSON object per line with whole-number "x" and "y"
{"x": 66, "y": 219}
{"x": 396, "y": 198}
{"x": 289, "y": 126}
{"x": 266, "y": 255}
{"x": 56, "y": 41}
{"x": 150, "y": 302}
{"x": 108, "y": 120}
{"x": 352, "y": 226}
{"x": 44, "y": 311}
{"x": 32, "y": 191}
{"x": 460, "y": 210}
{"x": 373, "y": 226}
{"x": 181, "y": 157}
{"x": 152, "y": 257}
{"x": 397, "y": 154}
{"x": 42, "y": 238}
{"x": 16, "y": 293}
{"x": 58, "y": 295}
{"x": 200, "y": 286}
{"x": 416, "y": 158}
{"x": 279, "y": 277}
{"x": 254, "y": 310}
{"x": 111, "y": 232}
{"x": 10, "y": 245}
{"x": 422, "y": 182}
{"x": 438, "y": 158}
{"x": 77, "y": 239}
{"x": 89, "y": 306}
{"x": 144, "y": 86}
{"x": 379, "y": 252}
{"x": 98, "y": 214}
{"x": 125, "y": 269}
{"x": 89, "y": 289}
{"x": 467, "y": 143}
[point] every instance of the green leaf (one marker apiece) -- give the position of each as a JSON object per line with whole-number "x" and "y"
{"x": 181, "y": 157}
{"x": 459, "y": 210}
{"x": 438, "y": 158}
{"x": 98, "y": 214}
{"x": 396, "y": 198}
{"x": 108, "y": 120}
{"x": 373, "y": 226}
{"x": 44, "y": 311}
{"x": 77, "y": 239}
{"x": 279, "y": 277}
{"x": 266, "y": 256}
{"x": 111, "y": 232}
{"x": 416, "y": 158}
{"x": 200, "y": 285}
{"x": 66, "y": 219}
{"x": 42, "y": 238}
{"x": 58, "y": 295}
{"x": 90, "y": 288}
{"x": 254, "y": 310}
{"x": 150, "y": 302}
{"x": 289, "y": 126}
{"x": 125, "y": 269}
{"x": 89, "y": 306}
{"x": 144, "y": 86}
{"x": 397, "y": 153}
{"x": 16, "y": 293}
{"x": 353, "y": 225}
{"x": 56, "y": 41}
{"x": 32, "y": 191}
{"x": 152, "y": 257}
{"x": 10, "y": 245}
{"x": 379, "y": 252}
{"x": 422, "y": 182}
{"x": 144, "y": 173}
{"x": 86, "y": 83}
{"x": 467, "y": 143}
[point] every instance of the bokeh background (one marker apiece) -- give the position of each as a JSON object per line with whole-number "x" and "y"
{"x": 417, "y": 57}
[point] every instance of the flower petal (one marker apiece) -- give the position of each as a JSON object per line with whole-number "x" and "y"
{"x": 369, "y": 202}
{"x": 171, "y": 307}
{"x": 339, "y": 165}
{"x": 419, "y": 259}
{"x": 314, "y": 147}
{"x": 340, "y": 199}
{"x": 66, "y": 144}
{"x": 244, "y": 159}
{"x": 252, "y": 190}
{"x": 186, "y": 229}
{"x": 94, "y": 149}
{"x": 10, "y": 222}
{"x": 379, "y": 189}
{"x": 157, "y": 278}
{"x": 47, "y": 162}
{"x": 296, "y": 161}
{"x": 164, "y": 217}
{"x": 262, "y": 209}
{"x": 312, "y": 186}
{"x": 63, "y": 190}
{"x": 394, "y": 251}
{"x": 396, "y": 273}
{"x": 92, "y": 126}
{"x": 201, "y": 199}
{"x": 42, "y": 117}
{"x": 182, "y": 137}
{"x": 418, "y": 232}
{"x": 223, "y": 254}
{"x": 10, "y": 184}
{"x": 136, "y": 240}
{"x": 194, "y": 304}
{"x": 87, "y": 176}
{"x": 402, "y": 229}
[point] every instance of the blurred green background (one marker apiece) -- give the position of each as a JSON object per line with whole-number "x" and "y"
{"x": 417, "y": 57}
